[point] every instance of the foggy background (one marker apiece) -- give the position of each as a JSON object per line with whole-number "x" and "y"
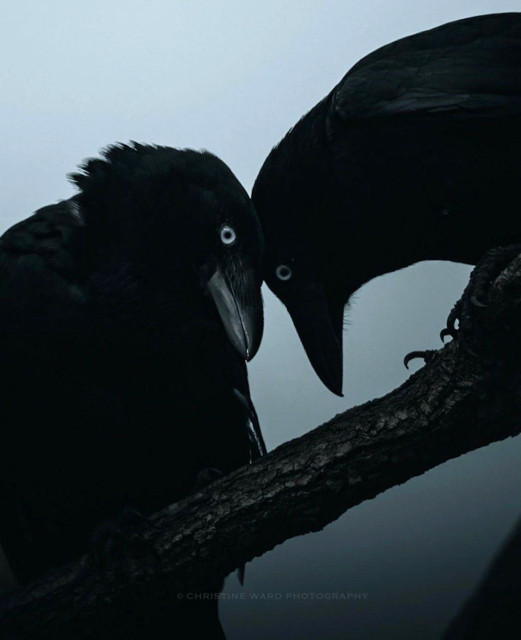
{"x": 232, "y": 77}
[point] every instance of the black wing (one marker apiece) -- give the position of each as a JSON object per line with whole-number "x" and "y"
{"x": 40, "y": 285}
{"x": 51, "y": 236}
{"x": 41, "y": 263}
{"x": 471, "y": 66}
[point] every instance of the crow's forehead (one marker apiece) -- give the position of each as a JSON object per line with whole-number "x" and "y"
{"x": 141, "y": 163}
{"x": 203, "y": 172}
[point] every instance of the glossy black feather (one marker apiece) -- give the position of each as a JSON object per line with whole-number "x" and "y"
{"x": 469, "y": 66}
{"x": 118, "y": 379}
{"x": 414, "y": 155}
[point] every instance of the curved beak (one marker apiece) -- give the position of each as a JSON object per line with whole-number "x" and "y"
{"x": 320, "y": 330}
{"x": 239, "y": 302}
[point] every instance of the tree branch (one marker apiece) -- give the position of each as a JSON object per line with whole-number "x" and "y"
{"x": 456, "y": 403}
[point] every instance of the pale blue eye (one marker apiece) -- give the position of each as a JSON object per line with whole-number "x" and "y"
{"x": 228, "y": 235}
{"x": 283, "y": 272}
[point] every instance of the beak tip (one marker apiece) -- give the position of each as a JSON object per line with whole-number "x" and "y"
{"x": 330, "y": 370}
{"x": 335, "y": 387}
{"x": 252, "y": 345}
{"x": 246, "y": 351}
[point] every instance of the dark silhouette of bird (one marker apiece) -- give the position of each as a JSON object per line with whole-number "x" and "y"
{"x": 127, "y": 313}
{"x": 415, "y": 155}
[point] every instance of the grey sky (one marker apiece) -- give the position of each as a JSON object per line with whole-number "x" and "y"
{"x": 232, "y": 77}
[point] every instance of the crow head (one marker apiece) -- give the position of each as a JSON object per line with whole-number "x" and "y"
{"x": 183, "y": 216}
{"x": 299, "y": 266}
{"x": 294, "y": 276}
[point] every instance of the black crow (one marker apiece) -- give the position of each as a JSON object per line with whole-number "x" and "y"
{"x": 126, "y": 315}
{"x": 414, "y": 155}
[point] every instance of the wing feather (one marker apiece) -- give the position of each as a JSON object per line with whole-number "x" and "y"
{"x": 470, "y": 66}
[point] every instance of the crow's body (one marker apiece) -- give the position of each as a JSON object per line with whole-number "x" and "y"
{"x": 99, "y": 414}
{"x": 414, "y": 155}
{"x": 119, "y": 380}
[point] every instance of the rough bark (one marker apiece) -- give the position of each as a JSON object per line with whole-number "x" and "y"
{"x": 456, "y": 403}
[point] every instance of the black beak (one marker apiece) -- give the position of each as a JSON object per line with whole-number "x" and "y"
{"x": 239, "y": 302}
{"x": 320, "y": 330}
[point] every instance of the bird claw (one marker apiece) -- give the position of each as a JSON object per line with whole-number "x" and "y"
{"x": 486, "y": 272}
{"x": 466, "y": 348}
{"x": 475, "y": 295}
{"x": 450, "y": 329}
{"x": 118, "y": 548}
{"x": 206, "y": 477}
{"x": 426, "y": 355}
{"x": 477, "y": 302}
{"x": 444, "y": 333}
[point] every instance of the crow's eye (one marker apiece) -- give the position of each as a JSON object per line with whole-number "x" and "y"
{"x": 283, "y": 272}
{"x": 228, "y": 235}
